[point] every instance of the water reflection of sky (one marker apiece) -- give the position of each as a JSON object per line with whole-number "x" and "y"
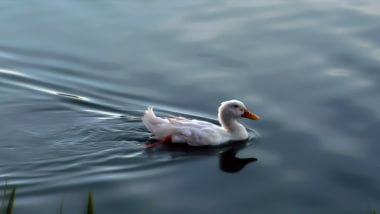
{"x": 73, "y": 86}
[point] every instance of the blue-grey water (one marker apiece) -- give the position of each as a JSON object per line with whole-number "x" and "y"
{"x": 76, "y": 76}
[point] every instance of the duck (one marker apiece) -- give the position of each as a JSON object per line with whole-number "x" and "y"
{"x": 200, "y": 133}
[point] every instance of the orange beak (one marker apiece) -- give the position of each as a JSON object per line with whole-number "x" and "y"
{"x": 250, "y": 115}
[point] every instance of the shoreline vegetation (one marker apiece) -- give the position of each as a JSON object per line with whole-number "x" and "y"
{"x": 8, "y": 201}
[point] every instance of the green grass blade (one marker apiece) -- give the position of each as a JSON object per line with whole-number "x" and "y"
{"x": 11, "y": 201}
{"x": 90, "y": 204}
{"x": 5, "y": 196}
{"x": 61, "y": 207}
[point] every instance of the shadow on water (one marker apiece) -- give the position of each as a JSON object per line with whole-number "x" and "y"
{"x": 227, "y": 154}
{"x": 230, "y": 163}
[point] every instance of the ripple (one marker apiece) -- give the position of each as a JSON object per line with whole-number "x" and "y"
{"x": 104, "y": 144}
{"x": 73, "y": 87}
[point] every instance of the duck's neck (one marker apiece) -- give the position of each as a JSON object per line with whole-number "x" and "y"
{"x": 236, "y": 130}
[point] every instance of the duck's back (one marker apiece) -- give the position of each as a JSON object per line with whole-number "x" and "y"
{"x": 182, "y": 130}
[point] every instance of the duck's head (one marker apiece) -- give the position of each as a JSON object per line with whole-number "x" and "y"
{"x": 235, "y": 109}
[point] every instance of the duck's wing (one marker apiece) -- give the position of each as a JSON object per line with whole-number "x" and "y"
{"x": 183, "y": 122}
{"x": 176, "y": 117}
{"x": 182, "y": 130}
{"x": 197, "y": 133}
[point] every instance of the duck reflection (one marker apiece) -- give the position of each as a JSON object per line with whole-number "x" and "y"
{"x": 228, "y": 160}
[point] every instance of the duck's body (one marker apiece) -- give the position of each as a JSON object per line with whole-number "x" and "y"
{"x": 199, "y": 133}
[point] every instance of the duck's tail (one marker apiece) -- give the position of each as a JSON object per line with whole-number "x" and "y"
{"x": 150, "y": 119}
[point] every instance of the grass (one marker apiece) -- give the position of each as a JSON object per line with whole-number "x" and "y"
{"x": 90, "y": 204}
{"x": 61, "y": 207}
{"x": 8, "y": 201}
{"x": 11, "y": 201}
{"x": 4, "y": 201}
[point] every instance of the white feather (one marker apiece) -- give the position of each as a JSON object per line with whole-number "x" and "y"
{"x": 196, "y": 132}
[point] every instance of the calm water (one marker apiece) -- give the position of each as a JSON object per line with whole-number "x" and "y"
{"x": 75, "y": 78}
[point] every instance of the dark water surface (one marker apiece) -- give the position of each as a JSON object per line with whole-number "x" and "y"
{"x": 75, "y": 78}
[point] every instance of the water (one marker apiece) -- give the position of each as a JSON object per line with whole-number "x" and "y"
{"x": 75, "y": 78}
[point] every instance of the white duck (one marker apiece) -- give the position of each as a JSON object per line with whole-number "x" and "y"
{"x": 200, "y": 133}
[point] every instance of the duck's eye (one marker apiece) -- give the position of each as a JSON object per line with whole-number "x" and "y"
{"x": 236, "y": 106}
